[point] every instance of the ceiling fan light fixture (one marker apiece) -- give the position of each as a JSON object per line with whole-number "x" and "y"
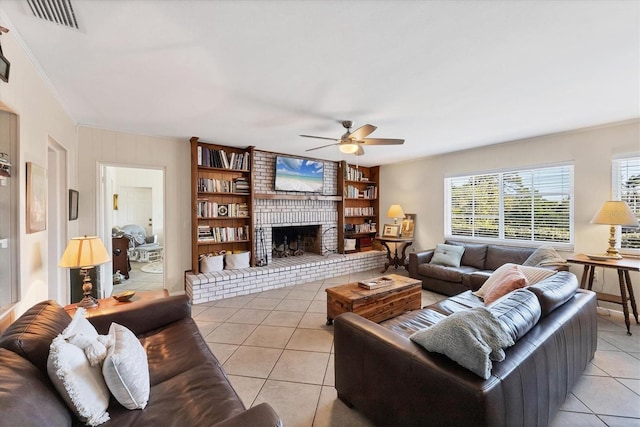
{"x": 349, "y": 148}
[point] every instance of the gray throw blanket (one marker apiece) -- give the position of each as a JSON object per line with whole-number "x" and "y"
{"x": 472, "y": 338}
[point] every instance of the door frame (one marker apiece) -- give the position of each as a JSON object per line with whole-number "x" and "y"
{"x": 104, "y": 199}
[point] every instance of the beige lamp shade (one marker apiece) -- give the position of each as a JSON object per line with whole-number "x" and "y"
{"x": 84, "y": 251}
{"x": 395, "y": 211}
{"x": 615, "y": 212}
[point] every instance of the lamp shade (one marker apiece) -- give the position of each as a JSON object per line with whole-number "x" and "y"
{"x": 615, "y": 212}
{"x": 395, "y": 211}
{"x": 84, "y": 251}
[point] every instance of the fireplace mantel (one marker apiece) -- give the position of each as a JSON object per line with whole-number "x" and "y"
{"x": 268, "y": 196}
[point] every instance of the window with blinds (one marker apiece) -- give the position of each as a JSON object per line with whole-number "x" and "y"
{"x": 626, "y": 186}
{"x": 532, "y": 205}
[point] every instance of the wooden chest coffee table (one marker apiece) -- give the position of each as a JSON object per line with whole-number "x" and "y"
{"x": 376, "y": 304}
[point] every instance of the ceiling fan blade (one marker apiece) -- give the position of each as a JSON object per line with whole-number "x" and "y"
{"x": 323, "y": 146}
{"x": 320, "y": 137}
{"x": 360, "y": 151}
{"x": 362, "y": 131}
{"x": 382, "y": 141}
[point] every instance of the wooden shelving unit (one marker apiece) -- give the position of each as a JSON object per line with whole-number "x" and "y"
{"x": 221, "y": 199}
{"x": 359, "y": 207}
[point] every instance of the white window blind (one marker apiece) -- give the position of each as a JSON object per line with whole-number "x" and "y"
{"x": 532, "y": 205}
{"x": 626, "y": 186}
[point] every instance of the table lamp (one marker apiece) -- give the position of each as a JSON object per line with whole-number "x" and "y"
{"x": 614, "y": 212}
{"x": 395, "y": 212}
{"x": 85, "y": 253}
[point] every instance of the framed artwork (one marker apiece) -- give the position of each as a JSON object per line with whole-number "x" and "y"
{"x": 408, "y": 225}
{"x": 36, "y": 198}
{"x": 73, "y": 205}
{"x": 391, "y": 230}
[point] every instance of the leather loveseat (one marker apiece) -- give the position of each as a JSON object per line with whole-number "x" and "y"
{"x": 478, "y": 261}
{"x": 391, "y": 380}
{"x": 188, "y": 384}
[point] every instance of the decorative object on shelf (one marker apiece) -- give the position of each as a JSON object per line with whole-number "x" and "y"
{"x": 613, "y": 213}
{"x": 85, "y": 253}
{"x": 73, "y": 205}
{"x": 352, "y": 142}
{"x": 395, "y": 212}
{"x": 36, "y": 198}
{"x": 391, "y": 230}
{"x": 408, "y": 225}
{"x": 124, "y": 296}
{"x": 5, "y": 165}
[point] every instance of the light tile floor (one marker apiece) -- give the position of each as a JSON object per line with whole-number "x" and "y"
{"x": 139, "y": 280}
{"x": 276, "y": 348}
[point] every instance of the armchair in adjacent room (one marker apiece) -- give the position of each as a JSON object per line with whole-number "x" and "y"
{"x": 141, "y": 247}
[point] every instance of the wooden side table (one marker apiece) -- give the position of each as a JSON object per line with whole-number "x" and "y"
{"x": 623, "y": 266}
{"x": 112, "y": 302}
{"x": 392, "y": 256}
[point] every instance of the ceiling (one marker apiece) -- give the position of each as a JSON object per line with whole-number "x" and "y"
{"x": 443, "y": 75}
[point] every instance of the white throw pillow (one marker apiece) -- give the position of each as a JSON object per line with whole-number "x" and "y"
{"x": 81, "y": 386}
{"x": 235, "y": 261}
{"x": 533, "y": 275}
{"x": 125, "y": 369}
{"x": 211, "y": 263}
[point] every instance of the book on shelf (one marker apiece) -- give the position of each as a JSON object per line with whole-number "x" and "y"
{"x": 375, "y": 283}
{"x": 210, "y": 157}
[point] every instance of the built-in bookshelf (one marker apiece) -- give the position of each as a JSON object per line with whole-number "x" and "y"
{"x": 359, "y": 206}
{"x": 222, "y": 199}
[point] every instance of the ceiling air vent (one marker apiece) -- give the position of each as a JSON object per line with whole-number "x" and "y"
{"x": 58, "y": 11}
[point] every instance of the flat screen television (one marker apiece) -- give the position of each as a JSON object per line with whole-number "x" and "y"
{"x": 294, "y": 174}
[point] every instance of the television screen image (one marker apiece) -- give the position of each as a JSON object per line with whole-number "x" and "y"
{"x": 294, "y": 174}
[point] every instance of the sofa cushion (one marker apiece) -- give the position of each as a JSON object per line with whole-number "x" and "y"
{"x": 31, "y": 334}
{"x": 472, "y": 338}
{"x": 544, "y": 256}
{"x": 447, "y": 255}
{"x": 555, "y": 291}
{"x": 518, "y": 312}
{"x": 498, "y": 255}
{"x": 474, "y": 253}
{"x": 125, "y": 369}
{"x": 441, "y": 272}
{"x": 27, "y": 397}
{"x": 509, "y": 280}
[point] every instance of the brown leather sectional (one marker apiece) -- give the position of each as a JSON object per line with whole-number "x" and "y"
{"x": 394, "y": 381}
{"x": 188, "y": 384}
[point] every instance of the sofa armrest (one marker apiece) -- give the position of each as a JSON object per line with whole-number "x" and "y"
{"x": 142, "y": 316}
{"x": 417, "y": 258}
{"x": 261, "y": 415}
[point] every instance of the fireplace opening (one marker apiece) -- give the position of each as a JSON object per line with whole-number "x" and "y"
{"x": 296, "y": 240}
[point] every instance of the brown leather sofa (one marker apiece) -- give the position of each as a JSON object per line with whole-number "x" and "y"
{"x": 188, "y": 384}
{"x": 478, "y": 261}
{"x": 391, "y": 380}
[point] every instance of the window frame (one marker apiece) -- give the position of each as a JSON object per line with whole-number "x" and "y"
{"x": 616, "y": 194}
{"x": 565, "y": 246}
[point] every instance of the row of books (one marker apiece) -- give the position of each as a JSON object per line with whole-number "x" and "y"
{"x": 359, "y": 211}
{"x": 222, "y": 234}
{"x": 354, "y": 174}
{"x": 212, "y": 185}
{"x": 369, "y": 227}
{"x": 371, "y": 192}
{"x": 208, "y": 209}
{"x": 220, "y": 159}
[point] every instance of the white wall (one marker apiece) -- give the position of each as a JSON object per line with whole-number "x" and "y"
{"x": 173, "y": 155}
{"x": 419, "y": 185}
{"x": 40, "y": 117}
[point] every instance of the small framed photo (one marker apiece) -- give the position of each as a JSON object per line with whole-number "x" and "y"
{"x": 408, "y": 225}
{"x": 73, "y": 205}
{"x": 391, "y": 230}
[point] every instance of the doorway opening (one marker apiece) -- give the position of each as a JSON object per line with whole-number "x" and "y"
{"x": 132, "y": 223}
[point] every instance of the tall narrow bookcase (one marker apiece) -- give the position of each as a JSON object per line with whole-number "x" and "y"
{"x": 360, "y": 206}
{"x": 221, "y": 200}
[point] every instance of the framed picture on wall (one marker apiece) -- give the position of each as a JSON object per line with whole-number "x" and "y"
{"x": 36, "y": 198}
{"x": 73, "y": 205}
{"x": 391, "y": 230}
{"x": 408, "y": 225}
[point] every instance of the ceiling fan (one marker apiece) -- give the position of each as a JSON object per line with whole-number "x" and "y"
{"x": 352, "y": 142}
